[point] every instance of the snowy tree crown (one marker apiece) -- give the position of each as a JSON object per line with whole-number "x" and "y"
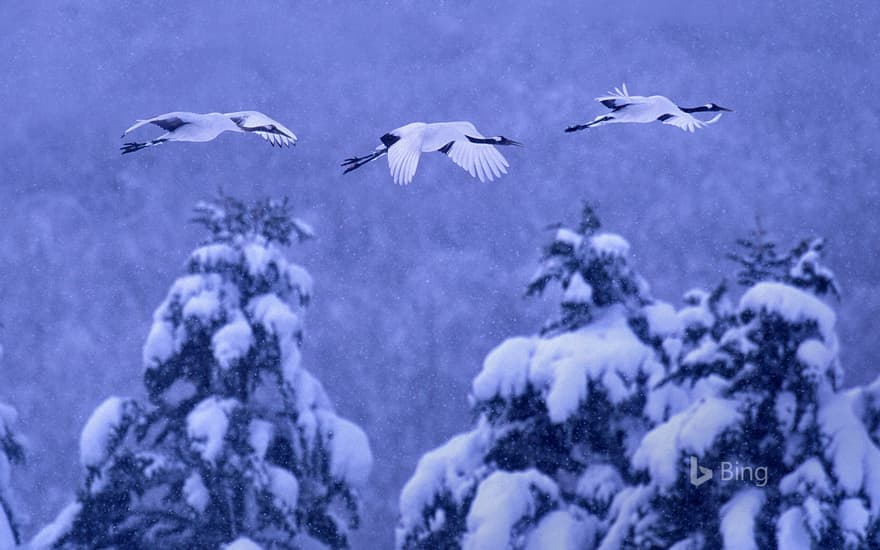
{"x": 800, "y": 267}
{"x": 592, "y": 270}
{"x": 228, "y": 218}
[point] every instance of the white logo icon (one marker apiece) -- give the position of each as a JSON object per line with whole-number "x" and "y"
{"x": 699, "y": 474}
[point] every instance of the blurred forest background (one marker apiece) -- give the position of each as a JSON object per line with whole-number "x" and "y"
{"x": 413, "y": 285}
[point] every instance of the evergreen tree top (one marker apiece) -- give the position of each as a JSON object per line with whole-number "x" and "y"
{"x": 592, "y": 270}
{"x": 590, "y": 222}
{"x": 800, "y": 267}
{"x": 758, "y": 258}
{"x": 807, "y": 271}
{"x": 228, "y": 218}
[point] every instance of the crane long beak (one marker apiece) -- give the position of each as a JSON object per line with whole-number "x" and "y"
{"x": 725, "y": 109}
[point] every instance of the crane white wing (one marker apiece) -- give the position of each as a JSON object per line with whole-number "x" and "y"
{"x": 168, "y": 122}
{"x": 267, "y": 128}
{"x": 403, "y": 159}
{"x": 688, "y": 122}
{"x": 275, "y": 138}
{"x": 619, "y": 98}
{"x": 481, "y": 160}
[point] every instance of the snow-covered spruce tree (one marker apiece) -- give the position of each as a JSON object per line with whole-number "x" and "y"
{"x": 238, "y": 443}
{"x": 795, "y": 459}
{"x": 558, "y": 414}
{"x": 11, "y": 452}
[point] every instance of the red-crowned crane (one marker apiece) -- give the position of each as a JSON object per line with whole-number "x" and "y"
{"x": 460, "y": 141}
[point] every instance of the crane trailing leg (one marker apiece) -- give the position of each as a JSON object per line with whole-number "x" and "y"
{"x": 354, "y": 163}
{"x": 597, "y": 121}
{"x": 131, "y": 147}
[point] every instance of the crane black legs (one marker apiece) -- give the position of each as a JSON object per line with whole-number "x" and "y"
{"x": 131, "y": 147}
{"x": 354, "y": 163}
{"x": 598, "y": 120}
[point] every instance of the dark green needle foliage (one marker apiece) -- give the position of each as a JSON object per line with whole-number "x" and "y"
{"x": 800, "y": 267}
{"x": 226, "y": 217}
{"x": 758, "y": 258}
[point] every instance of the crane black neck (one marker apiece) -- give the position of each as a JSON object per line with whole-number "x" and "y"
{"x": 700, "y": 109}
{"x": 489, "y": 140}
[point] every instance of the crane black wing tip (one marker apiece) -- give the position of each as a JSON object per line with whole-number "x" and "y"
{"x": 574, "y": 128}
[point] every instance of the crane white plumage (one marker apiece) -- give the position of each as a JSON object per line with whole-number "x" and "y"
{"x": 641, "y": 109}
{"x": 460, "y": 141}
{"x": 198, "y": 127}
